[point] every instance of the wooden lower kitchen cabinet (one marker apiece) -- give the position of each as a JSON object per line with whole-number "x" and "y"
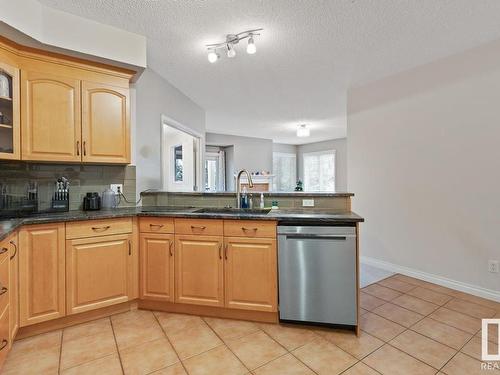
{"x": 5, "y": 341}
{"x": 97, "y": 272}
{"x": 199, "y": 270}
{"x": 250, "y": 273}
{"x": 41, "y": 273}
{"x": 157, "y": 267}
{"x": 13, "y": 286}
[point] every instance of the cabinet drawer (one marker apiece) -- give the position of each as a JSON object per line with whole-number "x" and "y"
{"x": 156, "y": 225}
{"x": 92, "y": 228}
{"x": 4, "y": 284}
{"x": 249, "y": 228}
{"x": 4, "y": 336}
{"x": 207, "y": 227}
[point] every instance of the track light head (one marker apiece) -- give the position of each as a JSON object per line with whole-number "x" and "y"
{"x": 231, "y": 52}
{"x": 213, "y": 56}
{"x": 251, "y": 48}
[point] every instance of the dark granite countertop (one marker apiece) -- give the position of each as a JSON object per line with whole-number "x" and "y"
{"x": 298, "y": 194}
{"x": 292, "y": 216}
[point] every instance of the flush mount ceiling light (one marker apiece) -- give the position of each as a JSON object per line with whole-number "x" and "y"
{"x": 231, "y": 41}
{"x": 303, "y": 131}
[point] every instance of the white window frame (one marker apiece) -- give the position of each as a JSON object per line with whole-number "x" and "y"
{"x": 276, "y": 174}
{"x": 319, "y": 153}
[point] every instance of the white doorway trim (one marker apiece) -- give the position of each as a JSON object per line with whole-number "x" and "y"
{"x": 168, "y": 121}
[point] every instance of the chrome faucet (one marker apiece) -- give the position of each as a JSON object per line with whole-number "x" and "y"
{"x": 238, "y": 192}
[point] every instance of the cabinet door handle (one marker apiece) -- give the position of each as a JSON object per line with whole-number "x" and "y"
{"x": 4, "y": 344}
{"x": 249, "y": 229}
{"x": 3, "y": 250}
{"x": 77, "y": 148}
{"x": 84, "y": 148}
{"x": 156, "y": 225}
{"x": 15, "y": 249}
{"x": 129, "y": 248}
{"x": 225, "y": 251}
{"x": 220, "y": 250}
{"x": 3, "y": 290}
{"x": 101, "y": 229}
{"x": 170, "y": 247}
{"x": 195, "y": 227}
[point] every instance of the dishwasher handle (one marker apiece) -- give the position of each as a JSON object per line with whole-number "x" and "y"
{"x": 305, "y": 236}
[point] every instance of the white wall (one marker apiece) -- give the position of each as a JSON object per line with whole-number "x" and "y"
{"x": 340, "y": 147}
{"x": 253, "y": 154}
{"x": 154, "y": 97}
{"x": 284, "y": 148}
{"x": 64, "y": 30}
{"x": 424, "y": 163}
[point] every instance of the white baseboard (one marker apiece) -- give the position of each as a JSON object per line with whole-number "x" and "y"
{"x": 439, "y": 280}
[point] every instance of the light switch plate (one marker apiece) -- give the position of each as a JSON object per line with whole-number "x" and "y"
{"x": 115, "y": 188}
{"x": 307, "y": 202}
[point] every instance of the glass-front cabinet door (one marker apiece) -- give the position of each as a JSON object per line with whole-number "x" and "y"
{"x": 9, "y": 112}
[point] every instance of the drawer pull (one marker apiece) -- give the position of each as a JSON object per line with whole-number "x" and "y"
{"x": 156, "y": 225}
{"x": 15, "y": 249}
{"x": 249, "y": 229}
{"x": 4, "y": 344}
{"x": 3, "y": 250}
{"x": 3, "y": 290}
{"x": 200, "y": 228}
{"x": 101, "y": 229}
{"x": 170, "y": 247}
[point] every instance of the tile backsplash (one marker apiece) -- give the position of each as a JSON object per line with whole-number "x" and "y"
{"x": 82, "y": 178}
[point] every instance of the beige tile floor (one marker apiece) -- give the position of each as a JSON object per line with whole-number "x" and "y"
{"x": 408, "y": 327}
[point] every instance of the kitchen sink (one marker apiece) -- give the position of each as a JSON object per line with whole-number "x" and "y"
{"x": 239, "y": 211}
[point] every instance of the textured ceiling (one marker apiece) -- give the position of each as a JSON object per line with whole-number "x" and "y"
{"x": 310, "y": 53}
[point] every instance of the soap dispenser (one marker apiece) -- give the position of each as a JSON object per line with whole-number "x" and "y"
{"x": 244, "y": 198}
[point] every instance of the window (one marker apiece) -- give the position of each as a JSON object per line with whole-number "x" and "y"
{"x": 215, "y": 170}
{"x": 319, "y": 171}
{"x": 178, "y": 174}
{"x": 285, "y": 171}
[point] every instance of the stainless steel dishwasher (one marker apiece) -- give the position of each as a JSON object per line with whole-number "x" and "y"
{"x": 317, "y": 275}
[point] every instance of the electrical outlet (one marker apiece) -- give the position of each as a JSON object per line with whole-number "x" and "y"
{"x": 307, "y": 202}
{"x": 117, "y": 188}
{"x": 493, "y": 266}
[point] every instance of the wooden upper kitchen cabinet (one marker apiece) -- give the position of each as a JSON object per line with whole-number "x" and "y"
{"x": 41, "y": 273}
{"x": 157, "y": 267}
{"x": 199, "y": 270}
{"x": 51, "y": 115}
{"x": 10, "y": 124}
{"x": 105, "y": 123}
{"x": 250, "y": 273}
{"x": 97, "y": 272}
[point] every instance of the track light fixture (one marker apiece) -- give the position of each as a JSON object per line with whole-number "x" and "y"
{"x": 231, "y": 41}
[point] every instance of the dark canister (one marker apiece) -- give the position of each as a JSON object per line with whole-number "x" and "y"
{"x": 92, "y": 202}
